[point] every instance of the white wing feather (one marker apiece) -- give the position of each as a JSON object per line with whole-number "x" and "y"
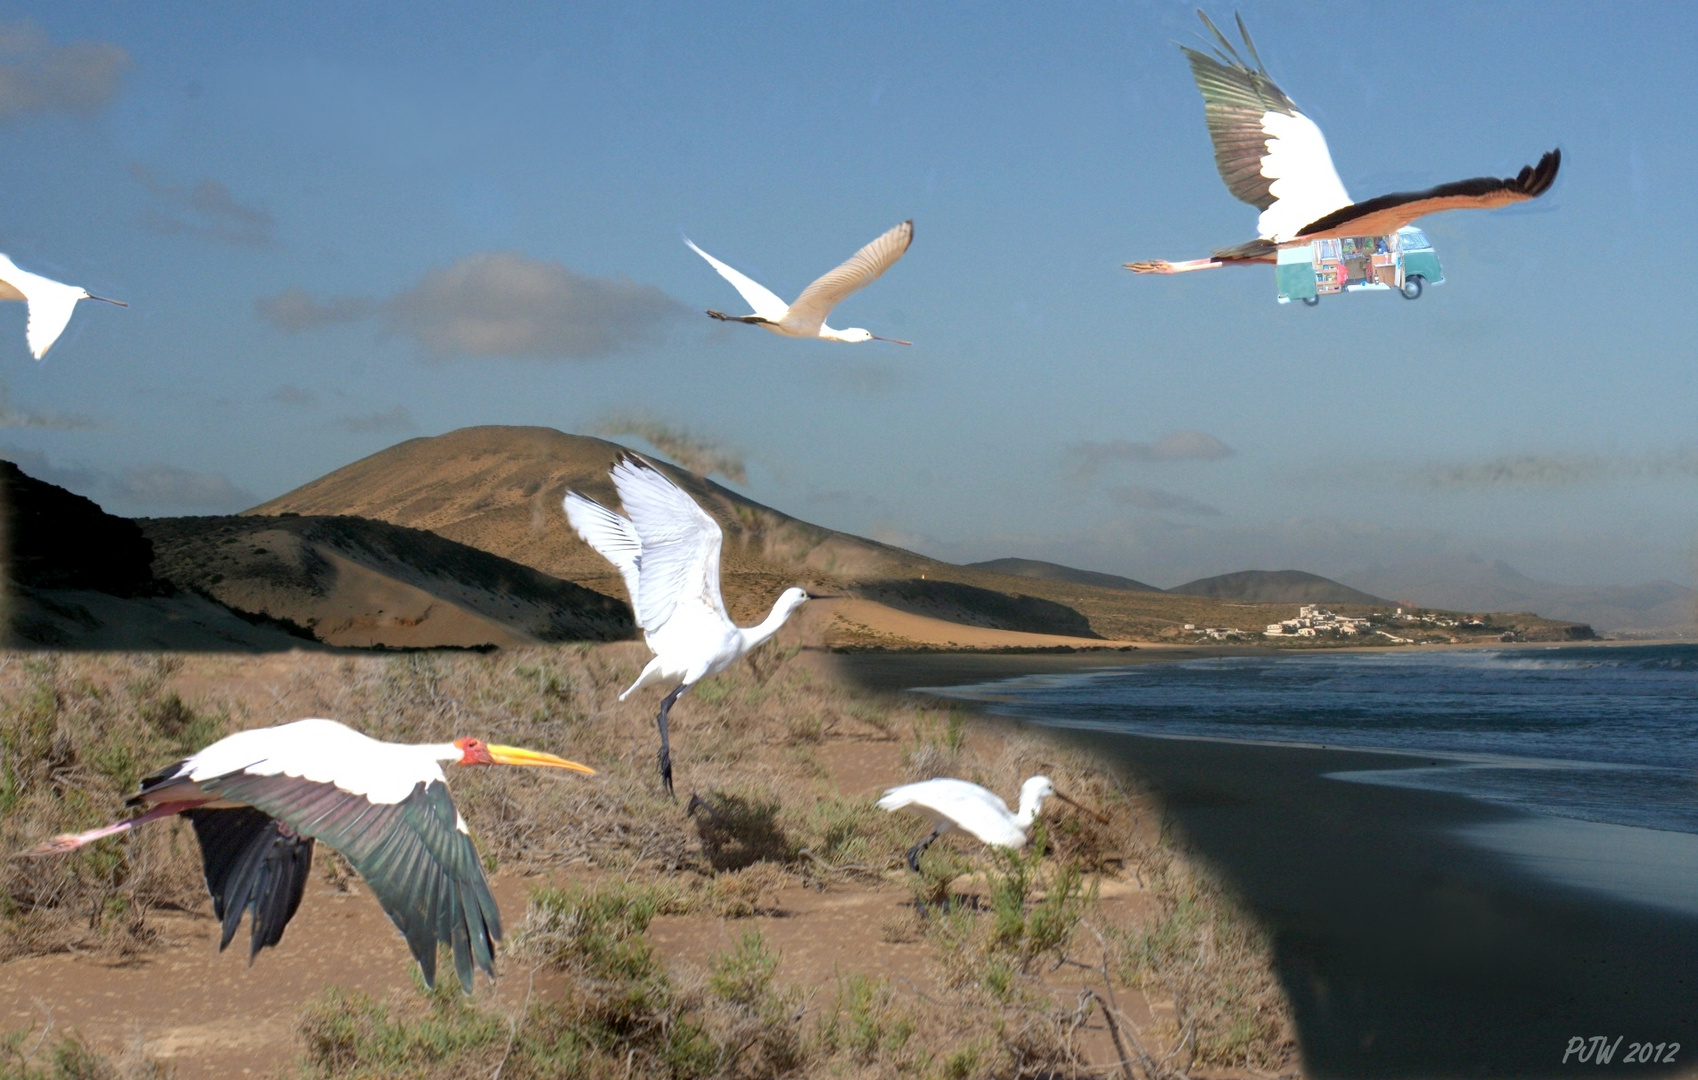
{"x": 50, "y": 304}
{"x": 763, "y": 300}
{"x": 48, "y": 315}
{"x": 323, "y": 752}
{"x": 968, "y": 806}
{"x": 681, "y": 545}
{"x": 1305, "y": 184}
{"x": 809, "y": 311}
{"x": 613, "y": 537}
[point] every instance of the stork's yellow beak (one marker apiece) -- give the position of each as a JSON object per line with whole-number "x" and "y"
{"x": 515, "y": 755}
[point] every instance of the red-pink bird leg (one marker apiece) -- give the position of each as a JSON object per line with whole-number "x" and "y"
{"x": 72, "y": 841}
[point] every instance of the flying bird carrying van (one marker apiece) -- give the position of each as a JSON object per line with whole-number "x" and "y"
{"x": 1318, "y": 239}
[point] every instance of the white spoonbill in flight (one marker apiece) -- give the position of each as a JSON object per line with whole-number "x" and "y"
{"x": 50, "y": 303}
{"x": 667, "y": 551}
{"x": 956, "y": 804}
{"x": 806, "y": 317}
{"x": 258, "y": 799}
{"x": 1275, "y": 158}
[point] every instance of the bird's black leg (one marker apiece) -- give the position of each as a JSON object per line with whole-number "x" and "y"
{"x": 665, "y": 745}
{"x": 919, "y": 849}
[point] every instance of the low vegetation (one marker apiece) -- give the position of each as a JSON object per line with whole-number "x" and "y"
{"x": 1033, "y": 969}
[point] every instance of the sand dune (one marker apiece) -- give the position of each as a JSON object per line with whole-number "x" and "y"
{"x": 355, "y": 582}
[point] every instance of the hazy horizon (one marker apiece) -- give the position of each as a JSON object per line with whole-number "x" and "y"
{"x": 340, "y": 228}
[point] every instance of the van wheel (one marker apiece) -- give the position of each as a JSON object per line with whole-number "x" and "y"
{"x": 1412, "y": 287}
{"x": 1311, "y": 301}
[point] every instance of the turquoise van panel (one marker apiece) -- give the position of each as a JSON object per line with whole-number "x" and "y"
{"x": 1297, "y": 280}
{"x": 1424, "y": 263}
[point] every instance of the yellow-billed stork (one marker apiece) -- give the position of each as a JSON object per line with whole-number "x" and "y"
{"x": 258, "y": 800}
{"x": 957, "y": 804}
{"x": 667, "y": 551}
{"x": 1275, "y": 158}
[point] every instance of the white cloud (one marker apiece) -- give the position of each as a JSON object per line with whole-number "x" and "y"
{"x": 508, "y": 304}
{"x": 11, "y": 416}
{"x": 37, "y": 76}
{"x": 1174, "y": 446}
{"x": 498, "y": 304}
{"x": 294, "y": 310}
{"x": 293, "y": 395}
{"x": 1554, "y": 470}
{"x": 207, "y": 210}
{"x": 147, "y": 489}
{"x": 1154, "y": 499}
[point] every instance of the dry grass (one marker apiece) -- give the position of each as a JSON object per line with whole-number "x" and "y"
{"x": 1040, "y": 979}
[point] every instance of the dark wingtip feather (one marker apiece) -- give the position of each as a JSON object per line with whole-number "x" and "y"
{"x": 1537, "y": 179}
{"x": 1244, "y": 32}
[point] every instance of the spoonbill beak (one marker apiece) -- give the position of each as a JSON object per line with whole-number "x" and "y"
{"x": 825, "y": 596}
{"x": 106, "y": 300}
{"x": 1065, "y": 799}
{"x": 513, "y": 755}
{"x": 893, "y": 341}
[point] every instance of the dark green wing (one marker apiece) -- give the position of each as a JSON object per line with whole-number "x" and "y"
{"x": 424, "y": 870}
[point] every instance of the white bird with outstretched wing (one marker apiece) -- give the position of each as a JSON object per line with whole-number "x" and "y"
{"x": 667, "y": 550}
{"x": 50, "y": 303}
{"x": 806, "y": 317}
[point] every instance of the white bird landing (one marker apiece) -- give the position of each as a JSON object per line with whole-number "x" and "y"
{"x": 258, "y": 800}
{"x": 956, "y": 804}
{"x": 806, "y": 317}
{"x": 667, "y": 551}
{"x": 50, "y": 303}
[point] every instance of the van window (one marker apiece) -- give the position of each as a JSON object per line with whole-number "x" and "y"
{"x": 1412, "y": 238}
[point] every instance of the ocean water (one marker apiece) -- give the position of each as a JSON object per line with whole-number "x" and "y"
{"x": 1604, "y": 734}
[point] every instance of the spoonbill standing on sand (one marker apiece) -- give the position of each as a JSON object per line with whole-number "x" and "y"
{"x": 258, "y": 799}
{"x": 1275, "y": 158}
{"x": 956, "y": 804}
{"x": 50, "y": 303}
{"x": 806, "y": 317}
{"x": 667, "y": 551}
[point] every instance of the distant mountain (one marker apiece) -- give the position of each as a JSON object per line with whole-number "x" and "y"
{"x": 1048, "y": 571}
{"x": 499, "y": 489}
{"x": 1471, "y": 583}
{"x": 59, "y": 540}
{"x": 1275, "y": 587}
{"x": 351, "y": 581}
{"x": 77, "y": 577}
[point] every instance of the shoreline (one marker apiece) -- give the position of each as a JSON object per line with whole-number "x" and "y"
{"x": 897, "y": 670}
{"x": 1416, "y": 932}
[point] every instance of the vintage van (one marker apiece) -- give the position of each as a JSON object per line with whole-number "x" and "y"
{"x": 1402, "y": 260}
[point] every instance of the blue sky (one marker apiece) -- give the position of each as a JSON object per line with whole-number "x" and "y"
{"x": 339, "y": 226}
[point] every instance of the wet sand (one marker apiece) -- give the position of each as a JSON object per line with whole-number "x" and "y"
{"x": 1418, "y": 934}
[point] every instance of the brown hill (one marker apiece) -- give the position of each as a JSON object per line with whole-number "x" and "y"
{"x": 1276, "y": 587}
{"x": 499, "y": 489}
{"x": 1037, "y": 568}
{"x": 355, "y": 582}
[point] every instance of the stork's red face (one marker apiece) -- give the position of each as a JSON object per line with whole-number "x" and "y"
{"x": 478, "y": 752}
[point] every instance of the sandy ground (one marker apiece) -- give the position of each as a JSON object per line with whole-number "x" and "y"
{"x": 210, "y": 1014}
